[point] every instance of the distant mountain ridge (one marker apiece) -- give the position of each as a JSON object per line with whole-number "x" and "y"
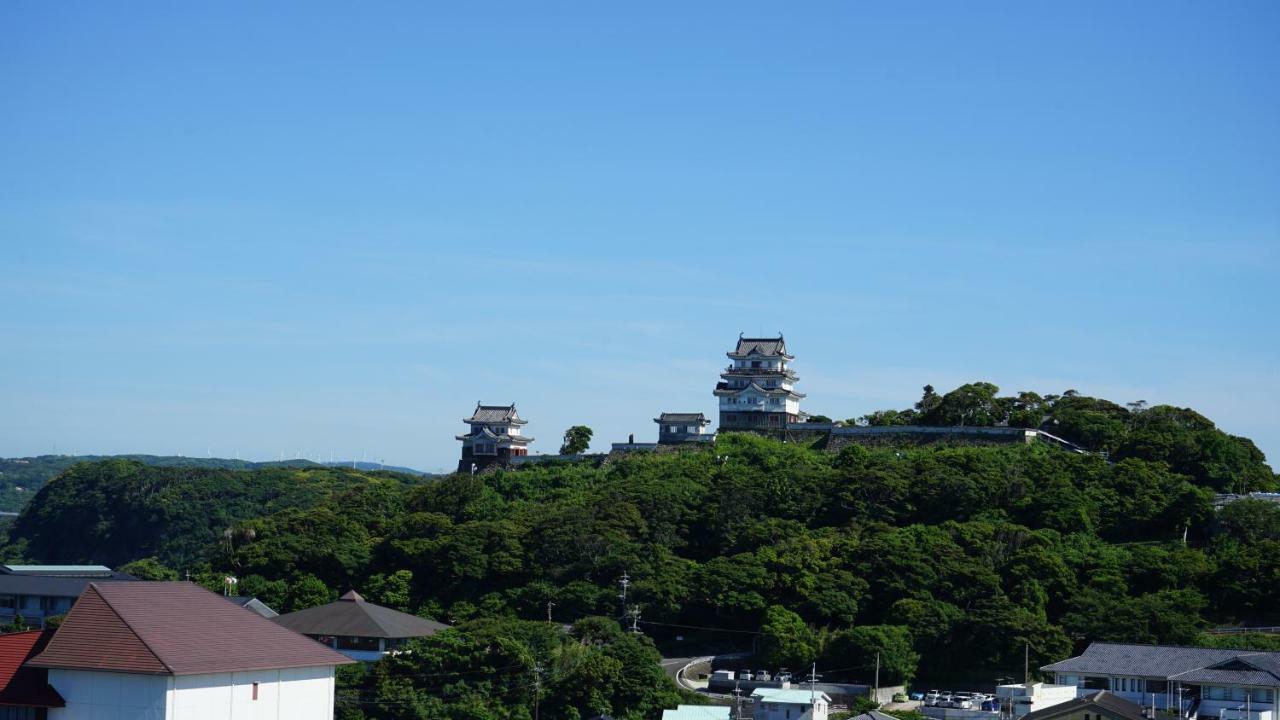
{"x": 22, "y": 477}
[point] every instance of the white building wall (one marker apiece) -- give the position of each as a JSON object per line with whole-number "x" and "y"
{"x": 765, "y": 710}
{"x": 291, "y": 694}
{"x": 110, "y": 696}
{"x": 1026, "y": 699}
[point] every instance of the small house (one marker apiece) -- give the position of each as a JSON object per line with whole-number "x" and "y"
{"x": 358, "y": 629}
{"x": 789, "y": 704}
{"x": 173, "y": 651}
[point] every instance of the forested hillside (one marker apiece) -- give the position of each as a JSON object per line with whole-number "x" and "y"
{"x": 114, "y": 511}
{"x": 22, "y": 478}
{"x": 945, "y": 559}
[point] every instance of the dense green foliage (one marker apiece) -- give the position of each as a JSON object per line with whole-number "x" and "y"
{"x": 946, "y": 560}
{"x": 22, "y": 478}
{"x": 1186, "y": 441}
{"x": 498, "y": 668}
{"x": 116, "y": 511}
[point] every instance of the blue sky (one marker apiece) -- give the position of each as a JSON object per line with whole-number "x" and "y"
{"x": 317, "y": 228}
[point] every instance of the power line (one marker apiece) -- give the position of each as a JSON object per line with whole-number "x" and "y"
{"x": 699, "y": 627}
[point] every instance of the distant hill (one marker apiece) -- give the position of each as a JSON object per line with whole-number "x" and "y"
{"x": 178, "y": 512}
{"x": 22, "y": 478}
{"x": 949, "y": 559}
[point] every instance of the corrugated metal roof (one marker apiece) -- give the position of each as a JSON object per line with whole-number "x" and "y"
{"x": 697, "y": 712}
{"x": 173, "y": 628}
{"x": 74, "y": 570}
{"x": 50, "y": 585}
{"x": 253, "y": 604}
{"x": 792, "y": 696}
{"x": 353, "y": 617}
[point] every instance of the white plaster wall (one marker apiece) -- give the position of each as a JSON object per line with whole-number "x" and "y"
{"x": 110, "y": 696}
{"x": 790, "y": 711}
{"x": 753, "y": 401}
{"x": 291, "y": 694}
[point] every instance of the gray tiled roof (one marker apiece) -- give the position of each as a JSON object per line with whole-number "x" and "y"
{"x": 1111, "y": 706}
{"x": 352, "y": 616}
{"x": 723, "y": 389}
{"x": 485, "y": 433}
{"x": 667, "y": 417}
{"x": 1171, "y": 661}
{"x": 51, "y": 585}
{"x": 495, "y": 414}
{"x": 766, "y": 347}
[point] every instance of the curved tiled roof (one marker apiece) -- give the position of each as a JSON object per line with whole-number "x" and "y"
{"x": 495, "y": 414}
{"x": 760, "y": 347}
{"x": 685, "y": 418}
{"x": 723, "y": 389}
{"x": 173, "y": 628}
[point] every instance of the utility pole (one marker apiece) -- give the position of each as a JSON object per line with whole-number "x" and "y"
{"x": 537, "y": 687}
{"x": 876, "y": 698}
{"x": 549, "y": 606}
{"x": 813, "y": 679}
{"x": 625, "y": 581}
{"x": 635, "y": 619}
{"x": 1026, "y": 663}
{"x": 737, "y": 699}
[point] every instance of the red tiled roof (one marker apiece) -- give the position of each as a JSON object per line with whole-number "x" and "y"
{"x": 173, "y": 628}
{"x": 25, "y": 686}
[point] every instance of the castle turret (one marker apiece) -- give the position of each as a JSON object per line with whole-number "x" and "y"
{"x": 494, "y": 437}
{"x": 756, "y": 390}
{"x": 676, "y": 428}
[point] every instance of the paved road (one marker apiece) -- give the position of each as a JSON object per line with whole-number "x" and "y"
{"x": 673, "y": 665}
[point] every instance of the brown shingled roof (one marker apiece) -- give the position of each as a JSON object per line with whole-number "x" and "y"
{"x": 173, "y": 628}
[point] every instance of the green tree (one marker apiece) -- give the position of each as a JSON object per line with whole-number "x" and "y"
{"x": 391, "y": 589}
{"x": 858, "y": 647}
{"x": 576, "y": 440}
{"x": 785, "y": 640}
{"x": 970, "y": 404}
{"x": 307, "y": 591}
{"x": 149, "y": 569}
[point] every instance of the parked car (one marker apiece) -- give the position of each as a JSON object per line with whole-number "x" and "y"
{"x": 763, "y": 676}
{"x": 944, "y": 700}
{"x": 962, "y": 701}
{"x": 931, "y": 698}
{"x": 783, "y": 676}
{"x": 744, "y": 674}
{"x": 899, "y": 697}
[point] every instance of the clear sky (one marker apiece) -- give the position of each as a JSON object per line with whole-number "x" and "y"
{"x": 332, "y": 227}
